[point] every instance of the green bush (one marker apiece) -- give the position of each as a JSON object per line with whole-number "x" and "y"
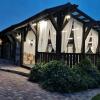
{"x": 97, "y": 97}
{"x": 81, "y": 80}
{"x": 86, "y": 64}
{"x": 91, "y": 70}
{"x": 98, "y": 64}
{"x": 36, "y": 73}
{"x": 57, "y": 76}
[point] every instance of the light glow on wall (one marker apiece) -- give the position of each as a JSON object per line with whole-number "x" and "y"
{"x": 31, "y": 42}
{"x": 0, "y": 41}
{"x": 42, "y": 23}
{"x": 34, "y": 24}
{"x": 68, "y": 16}
{"x": 75, "y": 29}
{"x": 18, "y": 37}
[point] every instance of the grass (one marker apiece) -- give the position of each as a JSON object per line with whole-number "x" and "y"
{"x": 97, "y": 97}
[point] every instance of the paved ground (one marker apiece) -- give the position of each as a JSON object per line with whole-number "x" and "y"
{"x": 16, "y": 69}
{"x": 16, "y": 87}
{"x": 6, "y": 66}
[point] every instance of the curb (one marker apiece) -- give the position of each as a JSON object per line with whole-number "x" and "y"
{"x": 15, "y": 72}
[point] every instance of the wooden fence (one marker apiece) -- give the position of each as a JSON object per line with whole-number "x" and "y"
{"x": 69, "y": 58}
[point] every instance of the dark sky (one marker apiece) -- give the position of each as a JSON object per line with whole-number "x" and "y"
{"x": 15, "y": 11}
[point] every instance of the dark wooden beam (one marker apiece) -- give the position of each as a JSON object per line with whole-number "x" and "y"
{"x": 85, "y": 15}
{"x": 85, "y": 34}
{"x": 83, "y": 40}
{"x": 10, "y": 39}
{"x": 36, "y": 44}
{"x": 77, "y": 18}
{"x": 14, "y": 37}
{"x": 87, "y": 31}
{"x": 35, "y": 32}
{"x": 78, "y": 15}
{"x": 14, "y": 47}
{"x": 99, "y": 43}
{"x": 2, "y": 50}
{"x": 23, "y": 31}
{"x": 33, "y": 29}
{"x": 98, "y": 49}
{"x": 64, "y": 24}
{"x": 51, "y": 17}
{"x": 84, "y": 19}
{"x": 58, "y": 35}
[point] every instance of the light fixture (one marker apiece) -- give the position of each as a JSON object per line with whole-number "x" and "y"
{"x": 33, "y": 24}
{"x": 31, "y": 42}
{"x": 18, "y": 36}
{"x": 43, "y": 22}
{"x": 0, "y": 42}
{"x": 68, "y": 16}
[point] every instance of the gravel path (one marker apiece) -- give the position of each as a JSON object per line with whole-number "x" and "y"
{"x": 16, "y": 87}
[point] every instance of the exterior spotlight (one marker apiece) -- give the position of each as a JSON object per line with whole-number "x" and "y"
{"x": 31, "y": 42}
{"x": 18, "y": 36}
{"x": 33, "y": 24}
{"x": 0, "y": 42}
{"x": 43, "y": 22}
{"x": 68, "y": 17}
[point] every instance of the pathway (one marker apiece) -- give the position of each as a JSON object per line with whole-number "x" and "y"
{"x": 17, "y": 87}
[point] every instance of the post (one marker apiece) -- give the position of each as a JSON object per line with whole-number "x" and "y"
{"x": 14, "y": 52}
{"x": 58, "y": 35}
{"x": 2, "y": 50}
{"x": 99, "y": 43}
{"x": 35, "y": 32}
{"x": 22, "y": 47}
{"x": 36, "y": 44}
{"x": 83, "y": 40}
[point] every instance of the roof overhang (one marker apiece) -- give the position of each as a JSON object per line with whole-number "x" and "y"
{"x": 73, "y": 10}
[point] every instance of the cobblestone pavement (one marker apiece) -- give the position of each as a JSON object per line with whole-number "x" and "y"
{"x": 16, "y": 87}
{"x": 5, "y": 65}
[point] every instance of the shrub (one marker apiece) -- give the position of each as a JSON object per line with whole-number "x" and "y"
{"x": 55, "y": 76}
{"x": 81, "y": 80}
{"x": 98, "y": 64}
{"x": 97, "y": 97}
{"x": 36, "y": 73}
{"x": 90, "y": 69}
{"x": 86, "y": 64}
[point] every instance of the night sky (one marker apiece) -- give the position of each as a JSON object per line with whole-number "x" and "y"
{"x": 15, "y": 11}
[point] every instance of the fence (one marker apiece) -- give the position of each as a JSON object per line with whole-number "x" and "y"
{"x": 69, "y": 58}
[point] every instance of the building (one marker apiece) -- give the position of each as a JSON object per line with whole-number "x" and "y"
{"x": 63, "y": 32}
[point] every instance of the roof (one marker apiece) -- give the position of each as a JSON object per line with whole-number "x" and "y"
{"x": 76, "y": 13}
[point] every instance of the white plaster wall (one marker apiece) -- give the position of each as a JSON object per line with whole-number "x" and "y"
{"x": 27, "y": 47}
{"x": 29, "y": 50}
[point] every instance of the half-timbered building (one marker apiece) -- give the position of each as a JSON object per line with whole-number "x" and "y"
{"x": 63, "y": 33}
